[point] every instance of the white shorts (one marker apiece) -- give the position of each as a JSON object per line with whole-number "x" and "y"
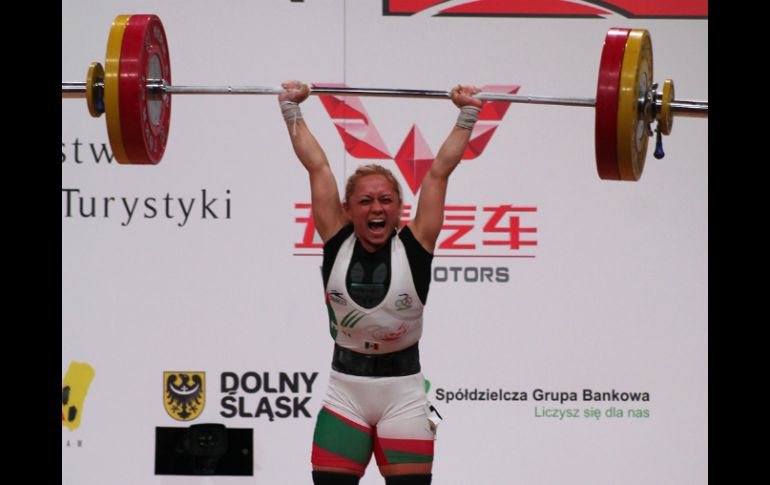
{"x": 389, "y": 416}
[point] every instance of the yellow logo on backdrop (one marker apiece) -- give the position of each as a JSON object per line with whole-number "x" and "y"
{"x": 184, "y": 394}
{"x": 74, "y": 388}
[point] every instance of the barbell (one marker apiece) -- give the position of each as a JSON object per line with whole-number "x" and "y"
{"x": 134, "y": 90}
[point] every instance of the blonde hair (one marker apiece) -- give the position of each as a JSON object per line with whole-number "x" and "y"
{"x": 365, "y": 171}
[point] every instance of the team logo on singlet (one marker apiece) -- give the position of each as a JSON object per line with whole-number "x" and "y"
{"x": 336, "y": 296}
{"x": 184, "y": 394}
{"x": 404, "y": 302}
{"x": 389, "y": 333}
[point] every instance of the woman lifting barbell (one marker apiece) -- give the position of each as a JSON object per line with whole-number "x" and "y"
{"x": 376, "y": 277}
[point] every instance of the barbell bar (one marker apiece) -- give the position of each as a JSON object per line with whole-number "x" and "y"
{"x": 693, "y": 109}
{"x": 76, "y": 89}
{"x": 134, "y": 90}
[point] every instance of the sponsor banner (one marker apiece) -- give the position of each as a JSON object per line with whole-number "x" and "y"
{"x": 74, "y": 390}
{"x": 267, "y": 395}
{"x": 253, "y": 395}
{"x": 590, "y": 9}
{"x": 560, "y": 405}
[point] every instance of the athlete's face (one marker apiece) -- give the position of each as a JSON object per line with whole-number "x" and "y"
{"x": 374, "y": 209}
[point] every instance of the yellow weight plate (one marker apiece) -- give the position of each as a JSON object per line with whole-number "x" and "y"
{"x": 666, "y": 118}
{"x": 111, "y": 91}
{"x": 635, "y": 84}
{"x": 95, "y": 89}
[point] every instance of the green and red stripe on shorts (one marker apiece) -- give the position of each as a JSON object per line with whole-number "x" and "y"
{"x": 341, "y": 443}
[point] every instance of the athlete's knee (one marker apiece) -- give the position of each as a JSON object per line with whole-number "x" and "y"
{"x": 418, "y": 479}
{"x": 335, "y": 478}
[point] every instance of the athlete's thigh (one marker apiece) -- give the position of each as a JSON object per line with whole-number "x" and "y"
{"x": 406, "y": 435}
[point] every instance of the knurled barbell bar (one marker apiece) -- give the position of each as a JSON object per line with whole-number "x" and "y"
{"x": 134, "y": 90}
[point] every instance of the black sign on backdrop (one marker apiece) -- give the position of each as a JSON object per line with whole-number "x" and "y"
{"x": 204, "y": 449}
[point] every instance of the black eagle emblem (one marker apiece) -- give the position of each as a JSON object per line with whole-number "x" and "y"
{"x": 184, "y": 398}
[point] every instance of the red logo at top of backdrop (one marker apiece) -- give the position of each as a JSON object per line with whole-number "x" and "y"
{"x": 695, "y": 9}
{"x": 414, "y": 158}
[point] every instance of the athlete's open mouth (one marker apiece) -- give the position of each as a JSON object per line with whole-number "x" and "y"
{"x": 377, "y": 225}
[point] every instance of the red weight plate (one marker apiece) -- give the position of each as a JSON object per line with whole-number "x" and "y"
{"x": 145, "y": 116}
{"x": 607, "y": 103}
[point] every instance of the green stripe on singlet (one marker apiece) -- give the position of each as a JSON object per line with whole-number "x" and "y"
{"x": 406, "y": 457}
{"x": 338, "y": 437}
